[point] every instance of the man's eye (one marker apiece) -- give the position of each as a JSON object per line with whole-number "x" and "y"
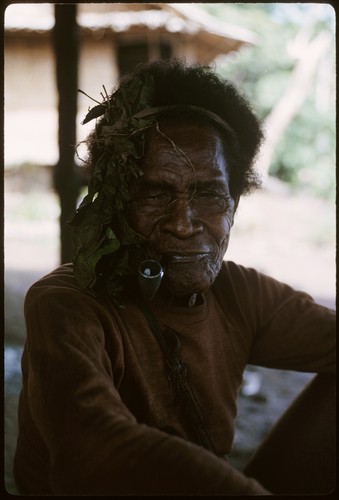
{"x": 155, "y": 196}
{"x": 206, "y": 194}
{"x": 210, "y": 201}
{"x": 158, "y": 197}
{"x": 209, "y": 195}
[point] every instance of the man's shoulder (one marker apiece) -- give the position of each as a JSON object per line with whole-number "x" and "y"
{"x": 60, "y": 276}
{"x": 60, "y": 280}
{"x": 232, "y": 280}
{"x": 251, "y": 287}
{"x": 237, "y": 273}
{"x": 60, "y": 286}
{"x": 239, "y": 280}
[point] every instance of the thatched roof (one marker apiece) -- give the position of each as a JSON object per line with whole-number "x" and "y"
{"x": 187, "y": 21}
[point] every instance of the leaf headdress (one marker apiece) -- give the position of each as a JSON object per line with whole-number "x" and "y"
{"x": 106, "y": 249}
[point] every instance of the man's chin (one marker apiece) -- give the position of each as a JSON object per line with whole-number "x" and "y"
{"x": 175, "y": 291}
{"x": 181, "y": 282}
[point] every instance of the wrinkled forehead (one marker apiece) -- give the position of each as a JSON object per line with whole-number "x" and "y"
{"x": 185, "y": 149}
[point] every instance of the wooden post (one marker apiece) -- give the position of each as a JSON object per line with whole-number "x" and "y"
{"x": 66, "y": 181}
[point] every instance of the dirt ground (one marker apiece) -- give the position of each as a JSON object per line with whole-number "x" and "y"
{"x": 291, "y": 237}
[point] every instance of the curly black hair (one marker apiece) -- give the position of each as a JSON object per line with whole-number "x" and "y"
{"x": 181, "y": 84}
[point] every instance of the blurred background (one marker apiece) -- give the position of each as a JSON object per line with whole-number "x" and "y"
{"x": 281, "y": 55}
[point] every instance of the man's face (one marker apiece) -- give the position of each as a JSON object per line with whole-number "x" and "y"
{"x": 182, "y": 205}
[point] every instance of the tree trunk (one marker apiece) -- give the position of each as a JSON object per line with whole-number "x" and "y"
{"x": 66, "y": 182}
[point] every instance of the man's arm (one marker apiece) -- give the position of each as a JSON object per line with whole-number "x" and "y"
{"x": 285, "y": 328}
{"x": 299, "y": 335}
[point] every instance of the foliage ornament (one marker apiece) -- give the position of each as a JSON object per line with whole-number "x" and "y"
{"x": 107, "y": 250}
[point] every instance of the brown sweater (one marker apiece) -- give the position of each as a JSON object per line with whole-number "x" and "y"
{"x": 97, "y": 414}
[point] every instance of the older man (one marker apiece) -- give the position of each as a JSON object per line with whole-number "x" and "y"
{"x": 135, "y": 352}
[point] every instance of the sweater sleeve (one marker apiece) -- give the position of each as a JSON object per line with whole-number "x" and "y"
{"x": 288, "y": 329}
{"x": 299, "y": 335}
{"x": 95, "y": 445}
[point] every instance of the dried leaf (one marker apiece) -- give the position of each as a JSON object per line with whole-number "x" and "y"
{"x": 101, "y": 228}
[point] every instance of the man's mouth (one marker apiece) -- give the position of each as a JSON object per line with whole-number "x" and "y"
{"x": 185, "y": 258}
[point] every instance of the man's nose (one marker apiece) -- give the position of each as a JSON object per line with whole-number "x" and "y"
{"x": 180, "y": 219}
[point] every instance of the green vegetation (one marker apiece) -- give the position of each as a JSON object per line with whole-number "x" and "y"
{"x": 288, "y": 36}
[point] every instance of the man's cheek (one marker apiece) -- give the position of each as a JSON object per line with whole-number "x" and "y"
{"x": 222, "y": 235}
{"x": 142, "y": 222}
{"x": 223, "y": 245}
